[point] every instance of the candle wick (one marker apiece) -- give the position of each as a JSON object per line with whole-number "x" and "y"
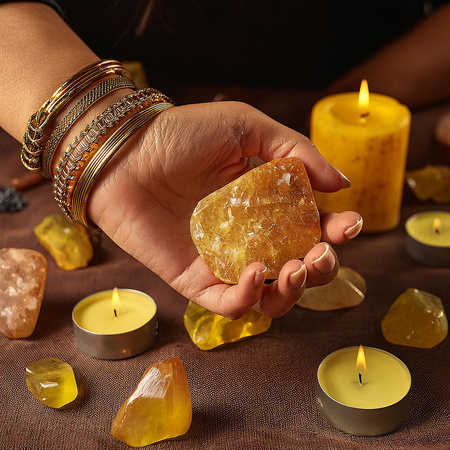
{"x": 115, "y": 313}
{"x": 360, "y": 378}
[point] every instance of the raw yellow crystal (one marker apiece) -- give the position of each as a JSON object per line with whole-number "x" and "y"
{"x": 23, "y": 274}
{"x": 52, "y": 381}
{"x": 345, "y": 291}
{"x": 67, "y": 242}
{"x": 416, "y": 319}
{"x": 159, "y": 408}
{"x": 430, "y": 182}
{"x": 267, "y": 215}
{"x": 208, "y": 330}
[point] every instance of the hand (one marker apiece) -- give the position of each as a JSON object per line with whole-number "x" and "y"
{"x": 146, "y": 195}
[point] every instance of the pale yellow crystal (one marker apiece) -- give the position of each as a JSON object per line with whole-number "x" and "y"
{"x": 416, "y": 319}
{"x": 159, "y": 408}
{"x": 52, "y": 381}
{"x": 67, "y": 242}
{"x": 267, "y": 215}
{"x": 209, "y": 330}
{"x": 23, "y": 274}
{"x": 345, "y": 291}
{"x": 430, "y": 182}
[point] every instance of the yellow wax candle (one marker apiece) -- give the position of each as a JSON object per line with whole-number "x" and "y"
{"x": 369, "y": 145}
{"x": 385, "y": 381}
{"x": 430, "y": 228}
{"x": 96, "y": 312}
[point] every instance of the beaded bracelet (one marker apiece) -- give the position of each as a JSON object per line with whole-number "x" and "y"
{"x": 88, "y": 100}
{"x": 32, "y": 147}
{"x": 92, "y": 137}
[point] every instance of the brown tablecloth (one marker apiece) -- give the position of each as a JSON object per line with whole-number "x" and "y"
{"x": 258, "y": 393}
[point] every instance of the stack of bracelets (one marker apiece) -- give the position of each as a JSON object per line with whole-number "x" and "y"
{"x": 85, "y": 158}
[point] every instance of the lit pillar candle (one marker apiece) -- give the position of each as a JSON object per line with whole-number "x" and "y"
{"x": 366, "y": 399}
{"x": 428, "y": 239}
{"x": 115, "y": 324}
{"x": 366, "y": 138}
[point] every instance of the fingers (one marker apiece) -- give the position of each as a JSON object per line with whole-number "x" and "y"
{"x": 322, "y": 264}
{"x": 340, "y": 228}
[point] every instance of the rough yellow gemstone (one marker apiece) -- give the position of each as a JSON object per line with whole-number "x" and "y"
{"x": 67, "y": 242}
{"x": 416, "y": 319}
{"x": 208, "y": 330}
{"x": 159, "y": 408}
{"x": 345, "y": 291}
{"x": 267, "y": 215}
{"x": 430, "y": 182}
{"x": 52, "y": 381}
{"x": 23, "y": 273}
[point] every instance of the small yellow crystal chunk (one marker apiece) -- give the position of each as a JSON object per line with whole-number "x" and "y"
{"x": 67, "y": 242}
{"x": 415, "y": 319}
{"x": 267, "y": 215}
{"x": 52, "y": 381}
{"x": 159, "y": 408}
{"x": 345, "y": 291}
{"x": 430, "y": 182}
{"x": 208, "y": 330}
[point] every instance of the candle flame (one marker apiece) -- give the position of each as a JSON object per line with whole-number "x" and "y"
{"x": 363, "y": 98}
{"x": 437, "y": 225}
{"x": 361, "y": 360}
{"x": 115, "y": 301}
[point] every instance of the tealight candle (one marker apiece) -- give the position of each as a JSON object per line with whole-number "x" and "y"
{"x": 366, "y": 138}
{"x": 115, "y": 324}
{"x": 428, "y": 239}
{"x": 368, "y": 398}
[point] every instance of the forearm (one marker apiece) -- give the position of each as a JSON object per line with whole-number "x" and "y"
{"x": 38, "y": 53}
{"x": 415, "y": 69}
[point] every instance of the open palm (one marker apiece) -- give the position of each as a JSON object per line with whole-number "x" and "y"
{"x": 145, "y": 198}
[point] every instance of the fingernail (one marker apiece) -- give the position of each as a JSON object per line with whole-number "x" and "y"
{"x": 326, "y": 261}
{"x": 298, "y": 279}
{"x": 353, "y": 231}
{"x": 260, "y": 276}
{"x": 349, "y": 183}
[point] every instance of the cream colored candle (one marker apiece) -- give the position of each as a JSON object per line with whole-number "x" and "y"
{"x": 368, "y": 143}
{"x": 385, "y": 381}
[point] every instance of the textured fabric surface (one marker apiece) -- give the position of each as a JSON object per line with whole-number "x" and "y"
{"x": 258, "y": 393}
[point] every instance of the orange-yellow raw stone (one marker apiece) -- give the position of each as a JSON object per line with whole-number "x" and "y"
{"x": 159, "y": 408}
{"x": 268, "y": 215}
{"x": 209, "y": 330}
{"x": 430, "y": 182}
{"x": 416, "y": 319}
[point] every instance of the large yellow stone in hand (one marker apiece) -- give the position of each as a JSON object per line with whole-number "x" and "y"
{"x": 159, "y": 408}
{"x": 268, "y": 215}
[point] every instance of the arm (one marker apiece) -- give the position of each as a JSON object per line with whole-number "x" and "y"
{"x": 415, "y": 69}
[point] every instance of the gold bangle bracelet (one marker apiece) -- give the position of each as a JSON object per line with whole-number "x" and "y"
{"x": 32, "y": 147}
{"x": 104, "y": 154}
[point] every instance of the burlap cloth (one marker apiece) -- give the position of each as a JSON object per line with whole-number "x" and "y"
{"x": 258, "y": 393}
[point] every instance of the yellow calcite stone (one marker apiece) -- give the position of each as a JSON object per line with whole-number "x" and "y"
{"x": 430, "y": 182}
{"x": 415, "y": 319}
{"x": 52, "y": 381}
{"x": 159, "y": 408}
{"x": 267, "y": 215}
{"x": 208, "y": 330}
{"x": 345, "y": 291}
{"x": 68, "y": 243}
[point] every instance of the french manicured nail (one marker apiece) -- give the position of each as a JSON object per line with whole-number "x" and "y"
{"x": 353, "y": 231}
{"x": 349, "y": 183}
{"x": 260, "y": 276}
{"x": 298, "y": 279}
{"x": 326, "y": 261}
